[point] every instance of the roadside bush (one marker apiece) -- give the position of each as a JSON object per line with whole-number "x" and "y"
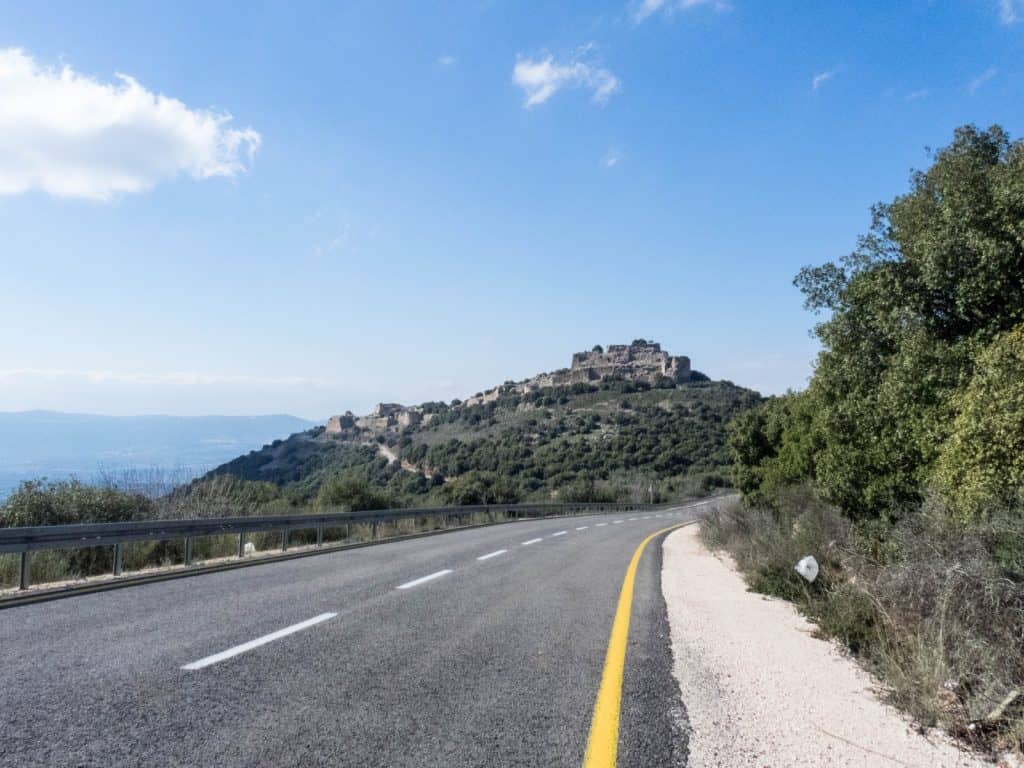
{"x": 39, "y": 502}
{"x": 224, "y": 496}
{"x": 933, "y": 607}
{"x": 766, "y": 542}
{"x": 354, "y": 493}
{"x": 480, "y": 488}
{"x": 585, "y": 490}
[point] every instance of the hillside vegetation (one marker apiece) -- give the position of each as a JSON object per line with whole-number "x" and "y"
{"x": 901, "y": 467}
{"x": 614, "y": 439}
{"x": 610, "y": 441}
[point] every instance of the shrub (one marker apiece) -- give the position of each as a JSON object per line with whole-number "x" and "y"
{"x": 67, "y": 502}
{"x": 39, "y": 502}
{"x": 585, "y": 490}
{"x": 354, "y": 493}
{"x": 480, "y": 488}
{"x": 932, "y": 606}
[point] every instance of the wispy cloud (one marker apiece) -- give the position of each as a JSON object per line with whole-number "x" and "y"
{"x": 1009, "y": 11}
{"x": 446, "y": 60}
{"x": 918, "y": 95}
{"x": 73, "y": 136}
{"x": 611, "y": 158}
{"x": 542, "y": 78}
{"x": 981, "y": 79}
{"x": 821, "y": 78}
{"x": 641, "y": 10}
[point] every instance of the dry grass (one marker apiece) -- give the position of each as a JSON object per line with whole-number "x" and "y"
{"x": 934, "y": 609}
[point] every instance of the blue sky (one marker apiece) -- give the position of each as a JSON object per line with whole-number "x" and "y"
{"x": 416, "y": 201}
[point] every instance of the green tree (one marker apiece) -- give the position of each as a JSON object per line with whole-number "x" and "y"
{"x": 982, "y": 464}
{"x": 773, "y": 445}
{"x": 935, "y": 279}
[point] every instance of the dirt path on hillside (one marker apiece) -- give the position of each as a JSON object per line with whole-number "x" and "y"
{"x": 760, "y": 690}
{"x": 408, "y": 466}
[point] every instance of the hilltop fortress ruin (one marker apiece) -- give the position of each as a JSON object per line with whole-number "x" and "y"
{"x": 642, "y": 361}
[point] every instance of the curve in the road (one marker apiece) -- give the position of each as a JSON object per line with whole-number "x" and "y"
{"x": 603, "y": 742}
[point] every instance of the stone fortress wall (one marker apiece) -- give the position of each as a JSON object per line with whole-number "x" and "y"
{"x": 640, "y": 361}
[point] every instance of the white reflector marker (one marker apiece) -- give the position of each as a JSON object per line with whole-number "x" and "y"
{"x": 492, "y": 554}
{"x": 424, "y": 579}
{"x": 239, "y": 649}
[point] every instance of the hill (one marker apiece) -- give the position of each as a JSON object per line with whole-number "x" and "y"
{"x": 624, "y": 422}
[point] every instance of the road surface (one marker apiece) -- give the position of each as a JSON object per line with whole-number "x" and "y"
{"x": 482, "y": 647}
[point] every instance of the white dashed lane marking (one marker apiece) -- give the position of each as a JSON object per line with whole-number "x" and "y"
{"x": 492, "y": 554}
{"x": 424, "y": 579}
{"x": 239, "y": 649}
{"x": 560, "y": 533}
{"x": 531, "y": 541}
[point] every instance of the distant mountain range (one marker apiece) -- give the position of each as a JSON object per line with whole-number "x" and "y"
{"x": 57, "y": 445}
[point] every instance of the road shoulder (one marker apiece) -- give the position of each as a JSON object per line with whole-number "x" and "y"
{"x": 760, "y": 690}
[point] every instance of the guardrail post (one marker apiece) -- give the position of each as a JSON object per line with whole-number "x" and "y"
{"x": 319, "y": 535}
{"x": 374, "y": 534}
{"x": 241, "y": 545}
{"x": 347, "y": 531}
{"x": 118, "y": 559}
{"x": 23, "y": 572}
{"x": 188, "y": 550}
{"x": 284, "y": 540}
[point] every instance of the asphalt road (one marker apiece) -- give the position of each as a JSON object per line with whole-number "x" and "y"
{"x": 329, "y": 661}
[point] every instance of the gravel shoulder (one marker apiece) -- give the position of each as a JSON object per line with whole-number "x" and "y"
{"x": 761, "y": 691}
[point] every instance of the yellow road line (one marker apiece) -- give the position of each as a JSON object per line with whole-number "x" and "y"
{"x": 603, "y": 743}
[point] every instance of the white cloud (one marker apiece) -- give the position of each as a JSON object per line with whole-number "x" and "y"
{"x": 643, "y": 9}
{"x": 821, "y": 78}
{"x": 542, "y": 78}
{"x": 981, "y": 79}
{"x": 1009, "y": 11}
{"x": 918, "y": 95}
{"x": 71, "y": 135}
{"x": 446, "y": 60}
{"x": 611, "y": 158}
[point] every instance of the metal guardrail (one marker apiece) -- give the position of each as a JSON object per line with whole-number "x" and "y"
{"x": 28, "y": 539}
